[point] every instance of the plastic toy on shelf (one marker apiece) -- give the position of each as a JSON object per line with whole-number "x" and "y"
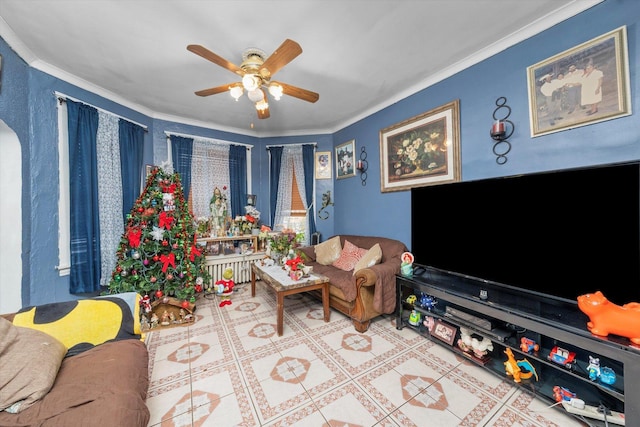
{"x": 562, "y": 357}
{"x": 414, "y": 318}
{"x": 527, "y": 345}
{"x": 607, "y": 318}
{"x": 518, "y": 369}
{"x": 605, "y": 374}
{"x": 427, "y": 301}
{"x": 562, "y": 393}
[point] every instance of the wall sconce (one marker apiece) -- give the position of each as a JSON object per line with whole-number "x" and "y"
{"x": 501, "y": 130}
{"x": 362, "y": 166}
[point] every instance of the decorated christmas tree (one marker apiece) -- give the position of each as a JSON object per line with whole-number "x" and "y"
{"x": 158, "y": 255}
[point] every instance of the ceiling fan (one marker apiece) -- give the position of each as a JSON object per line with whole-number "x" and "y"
{"x": 256, "y": 71}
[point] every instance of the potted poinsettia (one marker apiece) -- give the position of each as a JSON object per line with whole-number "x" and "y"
{"x": 295, "y": 267}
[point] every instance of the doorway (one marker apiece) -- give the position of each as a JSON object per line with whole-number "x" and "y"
{"x": 11, "y": 224}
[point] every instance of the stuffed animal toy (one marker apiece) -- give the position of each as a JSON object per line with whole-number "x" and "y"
{"x": 224, "y": 287}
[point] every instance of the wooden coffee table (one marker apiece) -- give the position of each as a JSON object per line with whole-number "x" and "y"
{"x": 278, "y": 281}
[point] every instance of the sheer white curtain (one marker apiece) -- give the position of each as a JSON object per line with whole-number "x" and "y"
{"x": 291, "y": 164}
{"x": 109, "y": 192}
{"x": 209, "y": 169}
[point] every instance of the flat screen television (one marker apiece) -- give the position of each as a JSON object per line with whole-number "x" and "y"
{"x": 563, "y": 233}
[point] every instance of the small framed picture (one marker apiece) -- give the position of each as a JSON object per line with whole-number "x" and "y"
{"x": 251, "y": 199}
{"x": 345, "y": 159}
{"x": 229, "y": 248}
{"x": 213, "y": 248}
{"x": 323, "y": 165}
{"x": 444, "y": 332}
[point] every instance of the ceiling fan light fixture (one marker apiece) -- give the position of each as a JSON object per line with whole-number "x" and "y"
{"x": 256, "y": 95}
{"x": 251, "y": 82}
{"x": 262, "y": 105}
{"x": 236, "y": 91}
{"x": 276, "y": 91}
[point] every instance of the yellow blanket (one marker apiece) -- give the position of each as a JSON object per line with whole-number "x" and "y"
{"x": 83, "y": 324}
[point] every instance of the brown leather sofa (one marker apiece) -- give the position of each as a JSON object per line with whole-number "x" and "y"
{"x": 369, "y": 292}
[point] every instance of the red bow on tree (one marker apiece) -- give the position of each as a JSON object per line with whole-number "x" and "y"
{"x": 134, "y": 237}
{"x": 165, "y": 220}
{"x": 166, "y": 260}
{"x": 168, "y": 188}
{"x": 194, "y": 253}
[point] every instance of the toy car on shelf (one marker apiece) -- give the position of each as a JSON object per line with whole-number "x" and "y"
{"x": 562, "y": 357}
{"x": 528, "y": 345}
{"x": 561, "y": 393}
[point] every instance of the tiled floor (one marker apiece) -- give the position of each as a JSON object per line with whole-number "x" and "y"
{"x": 231, "y": 369}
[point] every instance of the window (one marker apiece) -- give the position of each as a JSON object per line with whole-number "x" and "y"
{"x": 291, "y": 206}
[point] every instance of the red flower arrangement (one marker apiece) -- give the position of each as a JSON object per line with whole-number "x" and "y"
{"x": 294, "y": 263}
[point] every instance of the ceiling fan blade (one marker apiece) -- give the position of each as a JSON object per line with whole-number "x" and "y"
{"x": 214, "y": 90}
{"x": 264, "y": 114}
{"x": 216, "y": 59}
{"x": 296, "y": 92}
{"x": 286, "y": 53}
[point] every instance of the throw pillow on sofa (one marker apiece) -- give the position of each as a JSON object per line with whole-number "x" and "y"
{"x": 83, "y": 324}
{"x": 329, "y": 251}
{"x": 29, "y": 364}
{"x": 349, "y": 256}
{"x": 371, "y": 258}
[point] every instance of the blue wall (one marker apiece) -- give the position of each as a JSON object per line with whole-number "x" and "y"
{"x": 27, "y": 105}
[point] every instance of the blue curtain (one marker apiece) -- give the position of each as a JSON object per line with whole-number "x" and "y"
{"x": 131, "y": 139}
{"x": 308, "y": 152}
{"x": 82, "y": 121}
{"x": 181, "y": 150}
{"x": 238, "y": 179}
{"x": 275, "y": 162}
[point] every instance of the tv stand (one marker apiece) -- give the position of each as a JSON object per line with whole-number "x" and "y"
{"x": 556, "y": 341}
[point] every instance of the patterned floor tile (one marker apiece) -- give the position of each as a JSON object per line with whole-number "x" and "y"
{"x": 348, "y": 405}
{"x": 230, "y": 368}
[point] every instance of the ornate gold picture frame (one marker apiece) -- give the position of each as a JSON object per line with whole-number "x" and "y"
{"x": 423, "y": 150}
{"x": 586, "y": 84}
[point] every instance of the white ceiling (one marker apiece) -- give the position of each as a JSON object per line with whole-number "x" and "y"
{"x": 359, "y": 55}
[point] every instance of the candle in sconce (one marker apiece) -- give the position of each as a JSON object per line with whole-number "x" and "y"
{"x": 498, "y": 127}
{"x": 360, "y": 165}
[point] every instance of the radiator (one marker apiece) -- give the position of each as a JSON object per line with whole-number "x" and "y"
{"x": 241, "y": 267}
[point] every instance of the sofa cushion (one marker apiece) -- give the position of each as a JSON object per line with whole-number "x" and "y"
{"x": 328, "y": 251}
{"x": 349, "y": 256}
{"x": 29, "y": 364}
{"x": 371, "y": 258}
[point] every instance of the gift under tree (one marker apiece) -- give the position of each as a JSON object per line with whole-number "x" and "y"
{"x": 158, "y": 256}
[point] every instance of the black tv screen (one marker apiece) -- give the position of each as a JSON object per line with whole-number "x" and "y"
{"x": 563, "y": 233}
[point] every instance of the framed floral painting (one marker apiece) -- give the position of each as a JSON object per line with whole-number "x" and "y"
{"x": 423, "y": 150}
{"x": 345, "y": 159}
{"x": 586, "y": 84}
